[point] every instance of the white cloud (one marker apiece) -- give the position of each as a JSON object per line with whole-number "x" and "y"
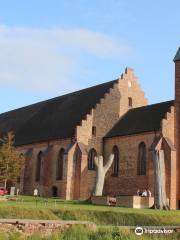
{"x": 47, "y": 59}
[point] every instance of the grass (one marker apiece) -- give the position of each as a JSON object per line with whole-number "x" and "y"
{"x": 81, "y": 233}
{"x": 104, "y": 216}
{"x": 40, "y": 208}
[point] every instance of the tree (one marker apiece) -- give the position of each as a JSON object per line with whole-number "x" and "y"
{"x": 11, "y": 163}
{"x": 101, "y": 172}
{"x": 158, "y": 147}
{"x": 160, "y": 198}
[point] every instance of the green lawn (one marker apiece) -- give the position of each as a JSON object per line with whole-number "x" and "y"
{"x": 28, "y": 207}
{"x": 104, "y": 216}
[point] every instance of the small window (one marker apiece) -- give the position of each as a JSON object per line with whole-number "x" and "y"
{"x": 92, "y": 154}
{"x": 94, "y": 131}
{"x": 130, "y": 103}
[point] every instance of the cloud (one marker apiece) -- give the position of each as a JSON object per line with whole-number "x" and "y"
{"x": 48, "y": 59}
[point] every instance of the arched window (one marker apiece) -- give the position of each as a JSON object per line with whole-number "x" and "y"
{"x": 142, "y": 159}
{"x": 116, "y": 161}
{"x": 21, "y": 159}
{"x": 59, "y": 165}
{"x": 91, "y": 155}
{"x": 38, "y": 166}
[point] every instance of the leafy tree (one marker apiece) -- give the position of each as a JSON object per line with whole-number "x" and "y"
{"x": 11, "y": 162}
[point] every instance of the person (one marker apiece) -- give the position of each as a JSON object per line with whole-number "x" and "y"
{"x": 149, "y": 194}
{"x": 17, "y": 191}
{"x": 138, "y": 192}
{"x": 144, "y": 194}
{"x": 35, "y": 192}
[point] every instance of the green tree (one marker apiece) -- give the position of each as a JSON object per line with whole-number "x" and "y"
{"x": 11, "y": 162}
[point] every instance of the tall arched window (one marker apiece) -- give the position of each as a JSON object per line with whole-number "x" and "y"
{"x": 116, "y": 161}
{"x": 38, "y": 166}
{"x": 21, "y": 159}
{"x": 142, "y": 159}
{"x": 91, "y": 155}
{"x": 59, "y": 165}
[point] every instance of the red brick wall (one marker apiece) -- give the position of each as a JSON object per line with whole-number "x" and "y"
{"x": 177, "y": 123}
{"x": 105, "y": 115}
{"x": 167, "y": 128}
{"x": 48, "y": 169}
{"x": 127, "y": 182}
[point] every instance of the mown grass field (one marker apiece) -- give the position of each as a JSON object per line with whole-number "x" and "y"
{"x": 40, "y": 208}
{"x": 107, "y": 218}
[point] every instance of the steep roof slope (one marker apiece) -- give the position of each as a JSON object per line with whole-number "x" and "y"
{"x": 52, "y": 119}
{"x": 141, "y": 119}
{"x": 13, "y": 120}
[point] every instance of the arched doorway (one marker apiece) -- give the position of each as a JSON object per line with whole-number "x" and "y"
{"x": 54, "y": 191}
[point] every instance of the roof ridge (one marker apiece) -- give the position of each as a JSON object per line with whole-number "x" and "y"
{"x": 141, "y": 119}
{"x": 151, "y": 105}
{"x": 67, "y": 110}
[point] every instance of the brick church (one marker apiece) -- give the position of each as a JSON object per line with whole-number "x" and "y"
{"x": 60, "y": 137}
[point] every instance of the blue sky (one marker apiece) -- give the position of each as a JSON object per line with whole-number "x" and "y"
{"x": 51, "y": 47}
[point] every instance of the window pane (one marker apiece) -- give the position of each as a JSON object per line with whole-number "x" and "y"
{"x": 142, "y": 159}
{"x": 92, "y": 154}
{"x": 116, "y": 160}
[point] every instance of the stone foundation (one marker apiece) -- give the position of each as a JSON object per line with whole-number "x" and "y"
{"x": 126, "y": 201}
{"x": 42, "y": 227}
{"x": 103, "y": 200}
{"x": 135, "y": 201}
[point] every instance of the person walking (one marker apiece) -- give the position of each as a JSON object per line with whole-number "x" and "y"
{"x": 36, "y": 192}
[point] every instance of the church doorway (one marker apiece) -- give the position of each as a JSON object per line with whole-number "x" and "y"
{"x": 179, "y": 204}
{"x": 54, "y": 191}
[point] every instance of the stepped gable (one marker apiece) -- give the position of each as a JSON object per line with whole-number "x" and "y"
{"x": 141, "y": 119}
{"x": 56, "y": 118}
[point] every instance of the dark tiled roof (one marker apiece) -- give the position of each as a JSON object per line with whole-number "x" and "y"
{"x": 14, "y": 120}
{"x": 177, "y": 56}
{"x": 141, "y": 119}
{"x": 52, "y": 119}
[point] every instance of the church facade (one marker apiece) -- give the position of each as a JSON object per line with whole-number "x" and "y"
{"x": 60, "y": 137}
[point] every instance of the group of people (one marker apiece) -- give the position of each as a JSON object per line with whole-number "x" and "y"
{"x": 144, "y": 193}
